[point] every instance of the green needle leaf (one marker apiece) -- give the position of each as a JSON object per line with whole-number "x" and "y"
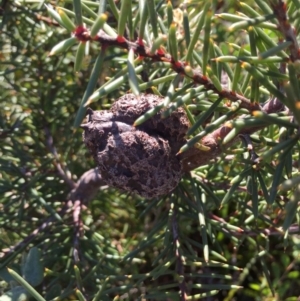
{"x": 133, "y": 80}
{"x": 201, "y": 119}
{"x": 157, "y": 43}
{"x": 275, "y": 50}
{"x": 98, "y": 24}
{"x": 169, "y": 13}
{"x": 143, "y": 18}
{"x": 148, "y": 114}
{"x": 291, "y": 208}
{"x": 80, "y": 295}
{"x": 124, "y": 12}
{"x": 172, "y": 42}
{"x": 112, "y": 85}
{"x": 205, "y": 51}
{"x": 235, "y": 184}
{"x": 253, "y": 22}
{"x": 67, "y": 23}
{"x": 197, "y": 31}
{"x": 63, "y": 46}
{"x": 78, "y": 12}
{"x": 186, "y": 27}
{"x": 91, "y": 86}
{"x": 153, "y": 17}
{"x": 55, "y": 15}
{"x": 26, "y": 285}
{"x": 114, "y": 9}
{"x": 206, "y": 131}
{"x": 79, "y": 56}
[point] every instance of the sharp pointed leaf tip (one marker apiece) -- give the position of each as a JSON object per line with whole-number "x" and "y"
{"x": 84, "y": 126}
{"x": 89, "y": 111}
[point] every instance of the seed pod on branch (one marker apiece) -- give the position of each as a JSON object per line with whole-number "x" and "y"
{"x": 138, "y": 159}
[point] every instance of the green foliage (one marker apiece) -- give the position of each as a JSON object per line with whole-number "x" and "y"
{"x": 32, "y": 271}
{"x": 228, "y": 231}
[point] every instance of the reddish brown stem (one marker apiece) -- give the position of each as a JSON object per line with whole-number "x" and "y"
{"x": 142, "y": 51}
{"x": 287, "y": 30}
{"x": 195, "y": 157}
{"x": 84, "y": 190}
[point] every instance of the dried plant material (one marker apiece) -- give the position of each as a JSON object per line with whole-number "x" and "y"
{"x": 138, "y": 159}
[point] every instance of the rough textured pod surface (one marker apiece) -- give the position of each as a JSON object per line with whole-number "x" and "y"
{"x": 128, "y": 108}
{"x": 142, "y": 159}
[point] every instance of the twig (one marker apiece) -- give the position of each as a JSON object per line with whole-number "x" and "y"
{"x": 49, "y": 142}
{"x": 33, "y": 235}
{"x": 47, "y": 20}
{"x": 87, "y": 186}
{"x": 280, "y": 11}
{"x": 38, "y": 17}
{"x": 84, "y": 190}
{"x": 272, "y": 231}
{"x": 195, "y": 157}
{"x": 142, "y": 51}
{"x": 294, "y": 229}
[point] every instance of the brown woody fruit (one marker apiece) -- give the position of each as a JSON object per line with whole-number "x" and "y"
{"x": 138, "y": 159}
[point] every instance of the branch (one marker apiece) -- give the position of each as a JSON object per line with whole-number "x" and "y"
{"x": 83, "y": 191}
{"x": 87, "y": 186}
{"x": 182, "y": 68}
{"x": 49, "y": 142}
{"x": 195, "y": 157}
{"x": 38, "y": 17}
{"x": 280, "y": 11}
